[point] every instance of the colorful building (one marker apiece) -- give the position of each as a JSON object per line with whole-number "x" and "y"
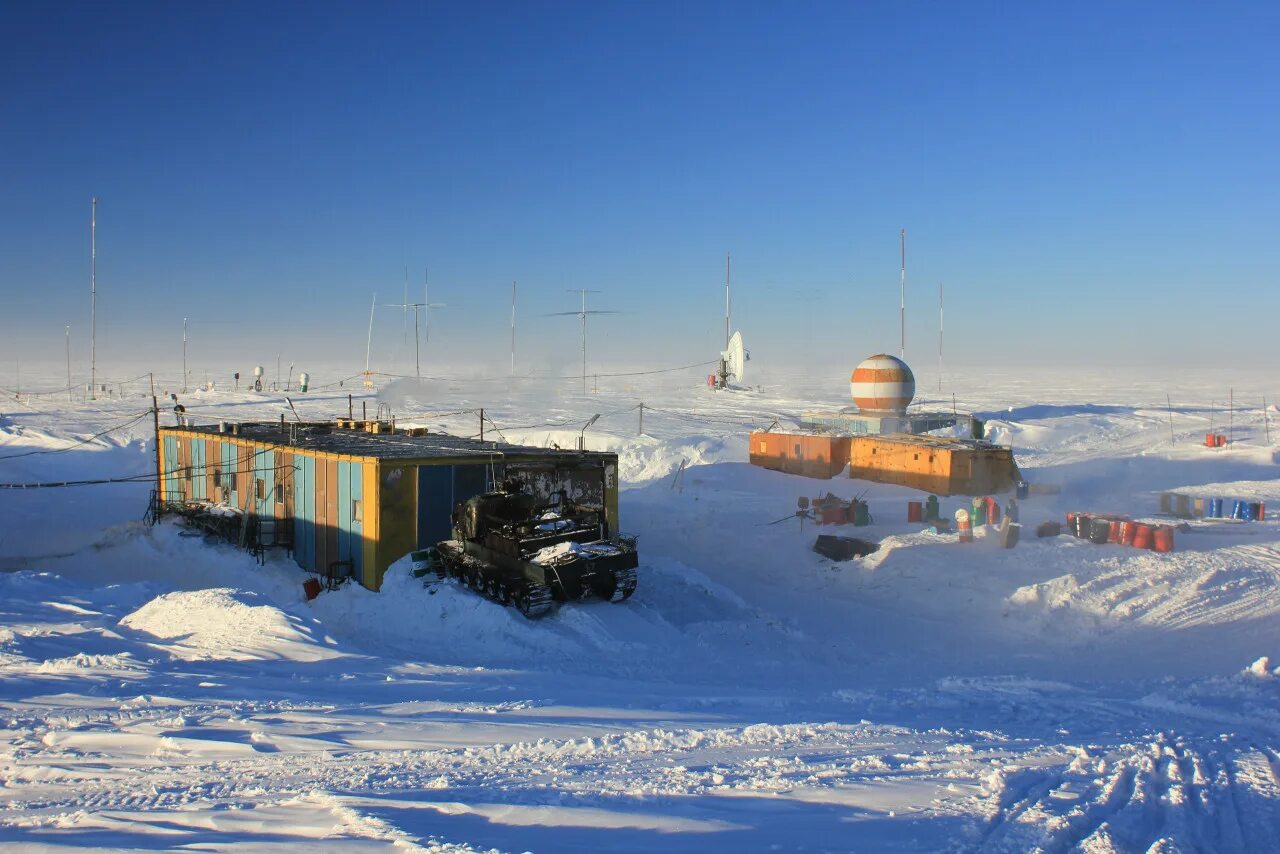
{"x": 354, "y": 497}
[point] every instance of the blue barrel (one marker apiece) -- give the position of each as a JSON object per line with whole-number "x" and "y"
{"x": 1022, "y": 489}
{"x": 1215, "y": 508}
{"x": 1246, "y": 511}
{"x": 1237, "y": 509}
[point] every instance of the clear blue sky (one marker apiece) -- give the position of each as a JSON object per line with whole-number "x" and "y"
{"x": 1090, "y": 180}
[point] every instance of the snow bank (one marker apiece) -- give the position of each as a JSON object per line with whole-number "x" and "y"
{"x": 229, "y": 624}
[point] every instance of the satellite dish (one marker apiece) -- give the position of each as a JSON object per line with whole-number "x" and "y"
{"x": 733, "y": 361}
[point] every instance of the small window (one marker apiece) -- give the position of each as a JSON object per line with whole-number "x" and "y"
{"x": 798, "y": 453}
{"x": 356, "y": 511}
{"x": 915, "y": 456}
{"x": 763, "y": 447}
{"x": 186, "y": 472}
{"x": 261, "y": 488}
{"x": 217, "y": 478}
{"x": 873, "y": 450}
{"x": 279, "y": 495}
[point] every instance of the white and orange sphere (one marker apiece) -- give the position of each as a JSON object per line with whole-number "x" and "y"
{"x": 883, "y": 383}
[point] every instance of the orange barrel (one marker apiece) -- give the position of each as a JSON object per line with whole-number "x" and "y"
{"x": 1142, "y": 536}
{"x": 1113, "y": 535}
{"x": 915, "y": 511}
{"x": 1197, "y": 508}
{"x": 1126, "y": 533}
{"x": 1222, "y": 440}
{"x": 1210, "y": 440}
{"x": 1260, "y": 511}
{"x": 993, "y": 510}
{"x": 1163, "y": 538}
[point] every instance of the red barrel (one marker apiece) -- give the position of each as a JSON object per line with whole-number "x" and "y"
{"x": 1260, "y": 512}
{"x": 1142, "y": 536}
{"x": 1126, "y": 533}
{"x": 1113, "y": 535}
{"x": 1163, "y": 538}
{"x": 1222, "y": 440}
{"x": 1210, "y": 440}
{"x": 915, "y": 511}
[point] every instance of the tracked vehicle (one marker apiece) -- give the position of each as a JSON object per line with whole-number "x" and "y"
{"x": 508, "y": 548}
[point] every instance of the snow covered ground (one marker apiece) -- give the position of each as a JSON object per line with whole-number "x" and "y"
{"x": 161, "y": 692}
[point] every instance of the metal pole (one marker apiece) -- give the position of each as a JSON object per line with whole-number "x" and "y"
{"x": 939, "y": 337}
{"x": 1169, "y": 403}
{"x": 368, "y": 345}
{"x": 726, "y": 301}
{"x": 1231, "y": 416}
{"x": 93, "y": 302}
{"x": 640, "y": 430}
{"x": 69, "y": 365}
{"x": 155, "y": 416}
{"x": 277, "y": 371}
{"x": 902, "y": 298}
{"x": 584, "y": 342}
{"x": 513, "y": 327}
{"x": 417, "y": 365}
{"x": 1266, "y": 419}
{"x": 482, "y": 424}
{"x": 184, "y": 355}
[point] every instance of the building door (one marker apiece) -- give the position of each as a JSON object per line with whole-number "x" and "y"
{"x": 440, "y": 490}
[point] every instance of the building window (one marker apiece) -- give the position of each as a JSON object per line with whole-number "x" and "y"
{"x": 217, "y": 478}
{"x": 260, "y": 486}
{"x": 798, "y": 453}
{"x": 186, "y": 472}
{"x": 763, "y": 447}
{"x": 356, "y": 511}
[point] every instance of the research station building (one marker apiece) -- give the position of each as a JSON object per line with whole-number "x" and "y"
{"x": 353, "y": 497}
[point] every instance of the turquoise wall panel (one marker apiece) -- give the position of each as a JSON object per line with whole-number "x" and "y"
{"x": 344, "y": 511}
{"x": 171, "y": 468}
{"x": 264, "y": 464}
{"x": 199, "y": 480}
{"x": 229, "y": 468}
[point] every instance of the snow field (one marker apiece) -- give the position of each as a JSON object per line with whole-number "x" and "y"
{"x": 161, "y": 690}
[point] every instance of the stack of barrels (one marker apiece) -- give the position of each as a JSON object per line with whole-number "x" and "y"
{"x": 1176, "y": 504}
{"x": 1120, "y": 530}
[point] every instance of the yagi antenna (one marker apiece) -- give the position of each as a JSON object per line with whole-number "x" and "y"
{"x": 582, "y": 314}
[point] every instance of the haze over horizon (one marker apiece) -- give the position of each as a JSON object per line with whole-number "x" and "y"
{"x": 1093, "y": 184}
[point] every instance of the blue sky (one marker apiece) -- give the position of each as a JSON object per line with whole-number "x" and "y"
{"x": 1092, "y": 181}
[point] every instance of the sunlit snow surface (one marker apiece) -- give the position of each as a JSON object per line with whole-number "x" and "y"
{"x": 159, "y": 692}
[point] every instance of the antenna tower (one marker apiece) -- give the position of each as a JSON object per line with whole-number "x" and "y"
{"x": 93, "y": 302}
{"x": 902, "y": 298}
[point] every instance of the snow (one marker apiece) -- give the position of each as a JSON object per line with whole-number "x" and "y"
{"x": 159, "y": 690}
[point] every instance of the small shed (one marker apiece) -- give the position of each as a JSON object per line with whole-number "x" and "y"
{"x": 354, "y": 497}
{"x": 819, "y": 455}
{"x": 933, "y": 464}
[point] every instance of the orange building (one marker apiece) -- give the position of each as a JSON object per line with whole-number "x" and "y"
{"x": 932, "y": 464}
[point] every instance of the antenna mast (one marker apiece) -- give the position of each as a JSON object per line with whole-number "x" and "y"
{"x": 513, "y": 327}
{"x": 93, "y": 303}
{"x": 902, "y": 298}
{"x": 368, "y": 346}
{"x": 184, "y": 355}
{"x": 726, "y": 300}
{"x": 69, "y": 397}
{"x": 939, "y": 336}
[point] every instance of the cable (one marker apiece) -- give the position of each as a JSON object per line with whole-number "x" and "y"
{"x": 550, "y": 378}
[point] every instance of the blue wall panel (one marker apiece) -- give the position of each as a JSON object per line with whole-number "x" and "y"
{"x": 304, "y": 511}
{"x": 435, "y": 504}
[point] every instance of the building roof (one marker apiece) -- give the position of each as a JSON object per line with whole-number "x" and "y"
{"x": 326, "y": 438}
